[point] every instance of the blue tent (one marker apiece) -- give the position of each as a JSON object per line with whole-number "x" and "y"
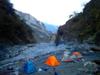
{"x": 29, "y": 67}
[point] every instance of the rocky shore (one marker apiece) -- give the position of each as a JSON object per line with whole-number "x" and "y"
{"x": 15, "y": 65}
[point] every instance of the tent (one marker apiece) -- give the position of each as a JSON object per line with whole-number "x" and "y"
{"x": 52, "y": 61}
{"x": 77, "y": 54}
{"x": 69, "y": 57}
{"x": 29, "y": 67}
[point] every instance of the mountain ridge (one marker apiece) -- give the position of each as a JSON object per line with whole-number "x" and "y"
{"x": 84, "y": 26}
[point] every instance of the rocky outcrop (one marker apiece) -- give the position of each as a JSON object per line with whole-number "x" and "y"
{"x": 20, "y": 28}
{"x": 12, "y": 30}
{"x": 65, "y": 33}
{"x": 84, "y": 25}
{"x": 38, "y": 28}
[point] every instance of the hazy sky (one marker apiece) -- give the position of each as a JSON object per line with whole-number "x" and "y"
{"x": 50, "y": 11}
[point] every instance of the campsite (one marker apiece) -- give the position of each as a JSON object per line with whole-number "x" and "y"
{"x": 37, "y": 62}
{"x": 49, "y": 37}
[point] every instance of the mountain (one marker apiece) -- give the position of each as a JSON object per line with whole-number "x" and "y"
{"x": 12, "y": 29}
{"x": 38, "y": 28}
{"x": 51, "y": 28}
{"x": 17, "y": 29}
{"x": 84, "y": 26}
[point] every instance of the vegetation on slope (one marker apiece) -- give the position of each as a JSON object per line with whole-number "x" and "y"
{"x": 84, "y": 25}
{"x": 12, "y": 30}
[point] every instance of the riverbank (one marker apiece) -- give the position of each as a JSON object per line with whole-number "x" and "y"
{"x": 39, "y": 53}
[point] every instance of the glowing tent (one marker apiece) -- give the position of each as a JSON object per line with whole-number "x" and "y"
{"x": 52, "y": 61}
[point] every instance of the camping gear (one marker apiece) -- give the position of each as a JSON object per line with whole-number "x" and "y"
{"x": 70, "y": 57}
{"x": 53, "y": 62}
{"x": 66, "y": 56}
{"x": 76, "y": 53}
{"x": 29, "y": 67}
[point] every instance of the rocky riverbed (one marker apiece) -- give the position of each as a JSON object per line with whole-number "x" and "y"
{"x": 39, "y": 53}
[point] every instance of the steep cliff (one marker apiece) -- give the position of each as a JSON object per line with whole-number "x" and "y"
{"x": 12, "y": 30}
{"x": 38, "y": 28}
{"x": 84, "y": 25}
{"x": 19, "y": 28}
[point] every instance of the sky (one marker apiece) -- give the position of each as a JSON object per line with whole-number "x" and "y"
{"x": 54, "y": 12}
